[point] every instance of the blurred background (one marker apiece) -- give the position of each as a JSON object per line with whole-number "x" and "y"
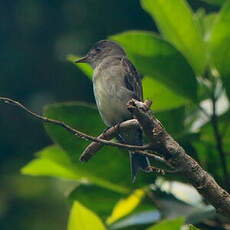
{"x": 35, "y": 37}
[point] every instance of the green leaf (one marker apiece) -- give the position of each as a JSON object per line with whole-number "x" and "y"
{"x": 110, "y": 164}
{"x": 215, "y": 2}
{"x": 207, "y": 133}
{"x": 219, "y": 45}
{"x": 173, "y": 121}
{"x": 83, "y": 117}
{"x": 192, "y": 227}
{"x": 161, "y": 101}
{"x": 159, "y": 60}
{"x": 53, "y": 161}
{"x": 84, "y": 67}
{"x": 175, "y": 20}
{"x": 205, "y": 21}
{"x": 103, "y": 199}
{"x": 126, "y": 206}
{"x": 174, "y": 224}
{"x": 81, "y": 218}
{"x": 206, "y": 146}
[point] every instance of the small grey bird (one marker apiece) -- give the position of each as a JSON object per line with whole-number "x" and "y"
{"x": 115, "y": 82}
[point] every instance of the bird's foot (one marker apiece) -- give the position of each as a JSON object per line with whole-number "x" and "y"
{"x": 155, "y": 169}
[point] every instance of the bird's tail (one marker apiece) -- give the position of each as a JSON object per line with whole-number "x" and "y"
{"x": 137, "y": 161}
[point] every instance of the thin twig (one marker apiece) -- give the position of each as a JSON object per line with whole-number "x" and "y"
{"x": 219, "y": 142}
{"x": 72, "y": 130}
{"x": 109, "y": 134}
{"x": 162, "y": 143}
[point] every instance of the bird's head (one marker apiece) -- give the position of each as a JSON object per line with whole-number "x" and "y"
{"x": 101, "y": 50}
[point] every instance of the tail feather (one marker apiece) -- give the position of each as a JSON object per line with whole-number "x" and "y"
{"x": 138, "y": 162}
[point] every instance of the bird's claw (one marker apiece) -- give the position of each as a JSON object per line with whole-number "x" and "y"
{"x": 155, "y": 169}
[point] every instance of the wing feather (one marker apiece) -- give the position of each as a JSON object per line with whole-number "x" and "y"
{"x": 132, "y": 79}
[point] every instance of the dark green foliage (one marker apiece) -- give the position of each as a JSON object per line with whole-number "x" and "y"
{"x": 184, "y": 67}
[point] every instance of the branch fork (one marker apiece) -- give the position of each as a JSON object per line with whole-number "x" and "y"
{"x": 162, "y": 147}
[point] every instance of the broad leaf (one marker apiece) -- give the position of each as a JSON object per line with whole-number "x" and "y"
{"x": 110, "y": 163}
{"x": 173, "y": 120}
{"x": 103, "y": 199}
{"x": 220, "y": 45}
{"x": 205, "y": 21}
{"x": 208, "y": 153}
{"x": 207, "y": 133}
{"x": 163, "y": 98}
{"x": 81, "y": 218}
{"x": 175, "y": 21}
{"x": 53, "y": 161}
{"x": 206, "y": 147}
{"x": 159, "y": 60}
{"x": 209, "y": 158}
{"x": 81, "y": 116}
{"x": 174, "y": 224}
{"x": 126, "y": 206}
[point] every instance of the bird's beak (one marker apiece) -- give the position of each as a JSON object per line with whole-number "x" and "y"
{"x": 82, "y": 60}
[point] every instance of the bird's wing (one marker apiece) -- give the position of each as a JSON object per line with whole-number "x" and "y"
{"x": 132, "y": 79}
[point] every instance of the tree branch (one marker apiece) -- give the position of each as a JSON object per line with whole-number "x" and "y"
{"x": 175, "y": 155}
{"x": 109, "y": 134}
{"x": 75, "y": 131}
{"x": 160, "y": 142}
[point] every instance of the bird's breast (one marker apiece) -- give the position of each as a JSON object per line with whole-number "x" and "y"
{"x": 110, "y": 98}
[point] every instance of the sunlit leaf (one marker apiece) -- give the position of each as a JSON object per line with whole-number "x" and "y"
{"x": 205, "y": 21}
{"x": 174, "y": 224}
{"x": 175, "y": 21}
{"x": 125, "y": 206}
{"x": 53, "y": 161}
{"x": 161, "y": 101}
{"x": 220, "y": 45}
{"x": 103, "y": 199}
{"x": 81, "y": 218}
{"x": 158, "y": 59}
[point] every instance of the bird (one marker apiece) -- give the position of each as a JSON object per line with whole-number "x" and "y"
{"x": 115, "y": 82}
